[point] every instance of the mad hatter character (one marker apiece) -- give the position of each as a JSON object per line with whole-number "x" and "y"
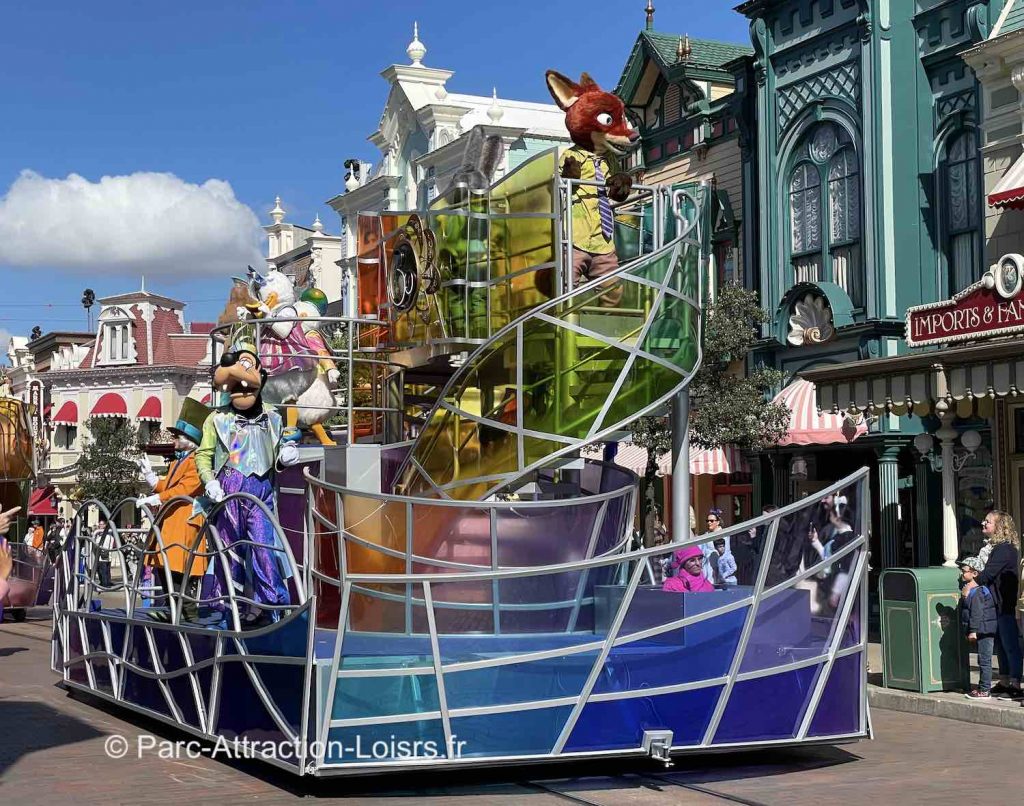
{"x": 180, "y": 526}
{"x": 241, "y": 446}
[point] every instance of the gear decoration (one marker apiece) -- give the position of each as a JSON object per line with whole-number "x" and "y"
{"x": 414, "y": 276}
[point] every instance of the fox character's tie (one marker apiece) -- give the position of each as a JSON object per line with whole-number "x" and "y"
{"x": 604, "y": 207}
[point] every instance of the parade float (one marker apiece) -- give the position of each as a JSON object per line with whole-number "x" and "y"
{"x": 439, "y": 575}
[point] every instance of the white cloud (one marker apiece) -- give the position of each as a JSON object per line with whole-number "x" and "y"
{"x": 147, "y": 223}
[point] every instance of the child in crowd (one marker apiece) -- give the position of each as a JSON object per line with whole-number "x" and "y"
{"x": 978, "y": 617}
{"x": 687, "y": 569}
{"x": 724, "y": 564}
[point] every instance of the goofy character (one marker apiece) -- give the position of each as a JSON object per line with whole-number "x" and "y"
{"x": 242, "y": 444}
{"x": 179, "y": 527}
{"x": 601, "y": 134}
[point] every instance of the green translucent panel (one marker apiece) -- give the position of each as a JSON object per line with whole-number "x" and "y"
{"x": 537, "y": 450}
{"x": 566, "y": 397}
{"x": 645, "y": 383}
{"x": 654, "y": 269}
{"x": 673, "y": 334}
{"x": 528, "y": 189}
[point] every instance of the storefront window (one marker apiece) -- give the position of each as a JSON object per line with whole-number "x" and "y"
{"x": 975, "y": 495}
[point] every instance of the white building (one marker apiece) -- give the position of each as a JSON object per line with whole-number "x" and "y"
{"x": 420, "y": 139}
{"x": 306, "y": 254}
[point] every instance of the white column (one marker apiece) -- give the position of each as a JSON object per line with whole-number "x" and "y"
{"x": 950, "y": 540}
{"x": 681, "y": 467}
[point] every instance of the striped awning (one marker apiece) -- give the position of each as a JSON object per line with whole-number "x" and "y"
{"x": 808, "y": 425}
{"x": 703, "y": 461}
{"x": 67, "y": 414}
{"x": 715, "y": 461}
{"x": 150, "y": 410}
{"x": 41, "y": 501}
{"x": 1009, "y": 191}
{"x": 110, "y": 405}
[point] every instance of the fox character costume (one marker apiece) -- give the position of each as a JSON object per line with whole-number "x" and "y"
{"x": 601, "y": 135}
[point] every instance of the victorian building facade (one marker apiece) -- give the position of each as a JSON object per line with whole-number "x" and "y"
{"x": 143, "y": 359}
{"x": 421, "y": 140}
{"x": 867, "y": 180}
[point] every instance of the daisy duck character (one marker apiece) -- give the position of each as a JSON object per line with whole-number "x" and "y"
{"x": 242, "y": 444}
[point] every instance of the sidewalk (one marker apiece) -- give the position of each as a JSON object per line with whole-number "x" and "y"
{"x": 996, "y": 712}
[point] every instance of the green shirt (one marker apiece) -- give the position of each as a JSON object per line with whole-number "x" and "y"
{"x": 586, "y": 217}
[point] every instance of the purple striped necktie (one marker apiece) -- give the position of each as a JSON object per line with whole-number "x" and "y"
{"x": 604, "y": 207}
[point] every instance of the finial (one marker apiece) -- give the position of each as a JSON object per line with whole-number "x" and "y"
{"x": 494, "y": 111}
{"x": 650, "y": 14}
{"x": 278, "y": 212}
{"x": 683, "y": 49}
{"x": 317, "y": 226}
{"x": 416, "y": 50}
{"x": 143, "y": 289}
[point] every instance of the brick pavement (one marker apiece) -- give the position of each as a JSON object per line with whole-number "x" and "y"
{"x": 52, "y": 747}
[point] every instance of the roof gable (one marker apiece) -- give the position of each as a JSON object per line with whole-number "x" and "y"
{"x": 708, "y": 57}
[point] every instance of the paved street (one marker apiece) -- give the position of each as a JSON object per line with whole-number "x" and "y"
{"x": 52, "y": 746}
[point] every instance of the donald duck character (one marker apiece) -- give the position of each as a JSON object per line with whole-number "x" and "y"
{"x": 242, "y": 444}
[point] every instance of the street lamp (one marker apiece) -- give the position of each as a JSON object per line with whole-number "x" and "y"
{"x": 970, "y": 441}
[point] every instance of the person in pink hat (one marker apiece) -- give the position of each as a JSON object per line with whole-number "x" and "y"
{"x": 687, "y": 572}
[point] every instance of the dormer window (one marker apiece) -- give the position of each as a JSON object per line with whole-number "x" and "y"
{"x": 116, "y": 342}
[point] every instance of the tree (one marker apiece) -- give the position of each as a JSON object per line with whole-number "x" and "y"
{"x": 727, "y": 406}
{"x": 106, "y": 468}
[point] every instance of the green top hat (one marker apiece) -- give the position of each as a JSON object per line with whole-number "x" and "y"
{"x": 190, "y": 420}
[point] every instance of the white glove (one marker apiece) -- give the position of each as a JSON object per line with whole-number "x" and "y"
{"x": 333, "y": 376}
{"x": 214, "y": 490}
{"x": 147, "y": 471}
{"x": 149, "y": 501}
{"x": 288, "y": 454}
{"x": 242, "y": 313}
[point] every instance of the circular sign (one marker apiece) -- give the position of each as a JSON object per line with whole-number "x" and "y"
{"x": 1009, "y": 276}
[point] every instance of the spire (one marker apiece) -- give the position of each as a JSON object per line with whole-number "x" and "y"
{"x": 317, "y": 226}
{"x": 416, "y": 50}
{"x": 650, "y": 15}
{"x": 494, "y": 111}
{"x": 143, "y": 289}
{"x": 683, "y": 49}
{"x": 278, "y": 212}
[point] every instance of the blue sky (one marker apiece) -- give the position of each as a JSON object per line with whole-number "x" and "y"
{"x": 269, "y": 97}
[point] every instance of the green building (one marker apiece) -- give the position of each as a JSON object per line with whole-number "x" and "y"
{"x": 863, "y": 195}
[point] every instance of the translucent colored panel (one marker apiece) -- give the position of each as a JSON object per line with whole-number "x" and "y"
{"x": 766, "y": 707}
{"x": 454, "y": 534}
{"x": 839, "y": 707}
{"x": 673, "y": 334}
{"x": 459, "y": 608}
{"x": 397, "y": 742}
{"x": 645, "y": 383}
{"x": 524, "y": 535}
{"x": 700, "y": 651}
{"x": 520, "y": 733}
{"x": 655, "y": 268}
{"x": 535, "y": 449}
{"x": 519, "y": 682}
{"x": 851, "y": 635}
{"x": 380, "y": 523}
{"x": 620, "y": 724}
{"x": 376, "y": 607}
{"x": 356, "y": 697}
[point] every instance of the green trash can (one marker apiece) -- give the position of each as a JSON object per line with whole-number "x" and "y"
{"x": 923, "y": 646}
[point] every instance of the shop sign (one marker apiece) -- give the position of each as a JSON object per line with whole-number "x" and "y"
{"x": 993, "y": 306}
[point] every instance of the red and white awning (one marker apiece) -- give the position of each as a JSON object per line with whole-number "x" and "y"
{"x": 808, "y": 426}
{"x": 110, "y": 405}
{"x": 206, "y": 399}
{"x": 67, "y": 414}
{"x": 150, "y": 410}
{"x": 703, "y": 461}
{"x": 1009, "y": 191}
{"x": 715, "y": 461}
{"x": 41, "y": 501}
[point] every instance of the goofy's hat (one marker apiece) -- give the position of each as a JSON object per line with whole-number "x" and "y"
{"x": 190, "y": 420}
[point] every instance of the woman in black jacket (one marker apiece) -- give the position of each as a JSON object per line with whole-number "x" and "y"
{"x": 1002, "y": 577}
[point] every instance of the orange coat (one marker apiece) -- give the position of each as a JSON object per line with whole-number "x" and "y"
{"x": 178, "y": 529}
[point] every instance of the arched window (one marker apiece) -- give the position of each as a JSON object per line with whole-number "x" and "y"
{"x": 825, "y": 211}
{"x": 961, "y": 205}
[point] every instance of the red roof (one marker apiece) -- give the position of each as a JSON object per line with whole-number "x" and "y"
{"x": 202, "y": 328}
{"x": 150, "y": 410}
{"x": 40, "y": 502}
{"x": 110, "y": 405}
{"x": 185, "y": 349}
{"x": 68, "y": 414}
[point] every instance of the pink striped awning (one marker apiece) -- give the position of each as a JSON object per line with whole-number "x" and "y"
{"x": 808, "y": 426}
{"x": 703, "y": 461}
{"x": 715, "y": 461}
{"x": 1009, "y": 190}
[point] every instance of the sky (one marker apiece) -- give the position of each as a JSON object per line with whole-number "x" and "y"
{"x": 151, "y": 138}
